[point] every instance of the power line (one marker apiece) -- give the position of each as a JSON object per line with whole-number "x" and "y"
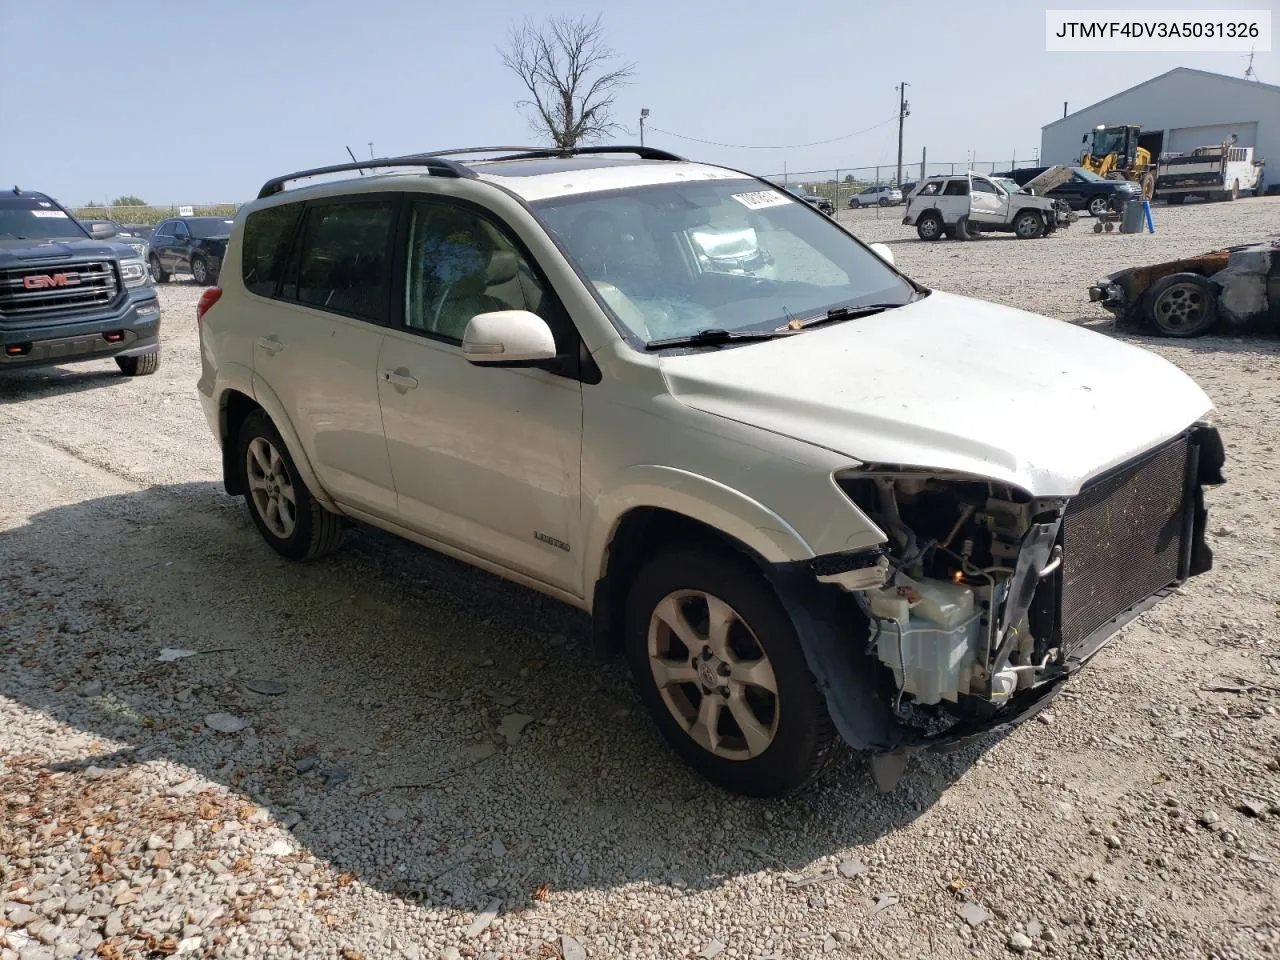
{"x": 792, "y": 146}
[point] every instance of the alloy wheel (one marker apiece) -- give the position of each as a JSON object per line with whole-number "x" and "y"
{"x": 271, "y": 488}
{"x": 713, "y": 674}
{"x": 1180, "y": 308}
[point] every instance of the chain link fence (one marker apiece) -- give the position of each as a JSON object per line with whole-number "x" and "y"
{"x": 152, "y": 214}
{"x": 840, "y": 185}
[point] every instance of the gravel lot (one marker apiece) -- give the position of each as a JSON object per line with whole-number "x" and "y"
{"x": 427, "y": 742}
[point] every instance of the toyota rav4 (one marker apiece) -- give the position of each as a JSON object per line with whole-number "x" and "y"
{"x": 802, "y": 494}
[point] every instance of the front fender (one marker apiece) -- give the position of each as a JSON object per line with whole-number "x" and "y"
{"x": 697, "y": 497}
{"x": 269, "y": 402}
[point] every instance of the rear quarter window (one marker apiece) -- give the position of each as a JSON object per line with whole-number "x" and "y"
{"x": 266, "y": 246}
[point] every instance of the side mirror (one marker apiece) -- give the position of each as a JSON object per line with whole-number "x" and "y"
{"x": 101, "y": 231}
{"x": 883, "y": 252}
{"x": 508, "y": 337}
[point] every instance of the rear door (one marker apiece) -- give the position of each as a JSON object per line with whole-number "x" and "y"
{"x": 162, "y": 243}
{"x": 953, "y": 202}
{"x": 180, "y": 251}
{"x": 319, "y": 335}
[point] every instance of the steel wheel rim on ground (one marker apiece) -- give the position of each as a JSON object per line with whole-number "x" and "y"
{"x": 725, "y": 699}
{"x": 271, "y": 488}
{"x": 1181, "y": 307}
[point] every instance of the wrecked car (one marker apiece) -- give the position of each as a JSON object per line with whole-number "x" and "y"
{"x": 1238, "y": 287}
{"x": 961, "y": 206}
{"x": 827, "y": 502}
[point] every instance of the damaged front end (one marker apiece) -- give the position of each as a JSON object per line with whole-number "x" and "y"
{"x": 985, "y": 598}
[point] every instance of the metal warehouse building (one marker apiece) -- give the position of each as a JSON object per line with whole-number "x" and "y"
{"x": 1178, "y": 111}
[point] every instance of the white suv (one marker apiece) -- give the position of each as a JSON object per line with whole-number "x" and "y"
{"x": 803, "y": 494}
{"x": 871, "y": 196}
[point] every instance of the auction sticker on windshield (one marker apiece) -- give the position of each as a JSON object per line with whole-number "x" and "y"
{"x": 48, "y": 213}
{"x": 761, "y": 198}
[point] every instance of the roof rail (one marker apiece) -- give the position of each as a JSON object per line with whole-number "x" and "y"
{"x": 644, "y": 153}
{"x": 435, "y": 165}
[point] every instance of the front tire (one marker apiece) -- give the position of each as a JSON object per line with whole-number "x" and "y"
{"x": 929, "y": 227}
{"x": 289, "y": 518}
{"x": 717, "y": 662}
{"x": 141, "y": 365}
{"x": 1099, "y": 206}
{"x": 1181, "y": 305}
{"x": 200, "y": 271}
{"x": 1028, "y": 225}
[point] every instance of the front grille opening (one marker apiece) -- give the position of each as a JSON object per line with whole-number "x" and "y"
{"x": 1124, "y": 538}
{"x": 60, "y": 288}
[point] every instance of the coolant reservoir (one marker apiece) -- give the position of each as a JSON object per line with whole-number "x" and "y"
{"x": 942, "y": 602}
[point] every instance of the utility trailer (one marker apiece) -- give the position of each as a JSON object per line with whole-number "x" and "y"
{"x": 1218, "y": 172}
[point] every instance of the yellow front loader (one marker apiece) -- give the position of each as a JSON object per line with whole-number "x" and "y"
{"x": 1113, "y": 152}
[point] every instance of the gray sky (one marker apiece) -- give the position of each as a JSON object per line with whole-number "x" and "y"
{"x": 202, "y": 102}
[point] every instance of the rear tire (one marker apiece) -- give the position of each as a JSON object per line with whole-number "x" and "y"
{"x": 141, "y": 365}
{"x": 157, "y": 271}
{"x": 770, "y": 734}
{"x": 929, "y": 227}
{"x": 289, "y": 518}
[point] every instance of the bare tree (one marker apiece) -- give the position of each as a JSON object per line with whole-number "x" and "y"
{"x": 571, "y": 76}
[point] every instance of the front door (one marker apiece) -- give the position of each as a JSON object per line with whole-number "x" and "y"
{"x": 987, "y": 202}
{"x": 486, "y": 459}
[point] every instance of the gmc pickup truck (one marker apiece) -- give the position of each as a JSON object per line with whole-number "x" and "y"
{"x": 67, "y": 294}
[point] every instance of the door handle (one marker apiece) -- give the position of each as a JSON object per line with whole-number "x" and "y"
{"x": 400, "y": 378}
{"x": 270, "y": 344}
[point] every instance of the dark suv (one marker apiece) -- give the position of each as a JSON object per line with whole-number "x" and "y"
{"x": 1084, "y": 191}
{"x": 193, "y": 245}
{"x": 67, "y": 293}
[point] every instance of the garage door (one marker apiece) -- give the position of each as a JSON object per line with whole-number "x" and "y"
{"x": 1183, "y": 139}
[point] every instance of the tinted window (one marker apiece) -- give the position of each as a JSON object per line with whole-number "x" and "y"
{"x": 180, "y": 229}
{"x": 344, "y": 265}
{"x": 981, "y": 186}
{"x": 461, "y": 264}
{"x": 957, "y": 188}
{"x": 266, "y": 244}
{"x": 164, "y": 230}
{"x": 210, "y": 229}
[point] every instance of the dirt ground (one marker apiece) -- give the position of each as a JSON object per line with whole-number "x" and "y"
{"x": 378, "y": 798}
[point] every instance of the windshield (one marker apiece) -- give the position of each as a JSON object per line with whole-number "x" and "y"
{"x": 1108, "y": 141}
{"x": 1010, "y": 186}
{"x": 211, "y": 229}
{"x": 28, "y": 218}
{"x": 1083, "y": 174}
{"x": 736, "y": 255}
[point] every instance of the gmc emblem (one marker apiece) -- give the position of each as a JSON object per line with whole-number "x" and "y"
{"x": 43, "y": 281}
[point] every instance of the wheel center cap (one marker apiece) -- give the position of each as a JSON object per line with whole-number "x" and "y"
{"x": 707, "y": 673}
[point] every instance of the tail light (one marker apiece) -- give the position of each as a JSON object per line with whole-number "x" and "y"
{"x": 210, "y": 296}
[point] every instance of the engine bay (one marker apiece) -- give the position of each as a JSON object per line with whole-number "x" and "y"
{"x": 950, "y": 616}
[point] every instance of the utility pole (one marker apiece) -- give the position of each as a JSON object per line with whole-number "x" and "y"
{"x": 644, "y": 113}
{"x": 903, "y": 110}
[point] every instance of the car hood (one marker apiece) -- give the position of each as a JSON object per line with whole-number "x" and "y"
{"x": 17, "y": 253}
{"x": 952, "y": 383}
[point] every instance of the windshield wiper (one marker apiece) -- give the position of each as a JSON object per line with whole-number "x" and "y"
{"x": 837, "y": 313}
{"x": 714, "y": 337}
